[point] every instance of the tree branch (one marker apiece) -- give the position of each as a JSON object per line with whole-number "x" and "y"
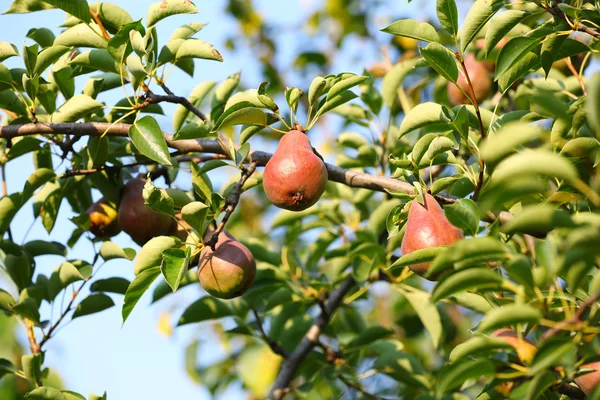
{"x": 575, "y": 319}
{"x": 336, "y": 174}
{"x": 310, "y": 340}
{"x": 62, "y": 315}
{"x": 577, "y": 26}
{"x": 275, "y": 347}
{"x": 232, "y": 201}
{"x": 152, "y": 98}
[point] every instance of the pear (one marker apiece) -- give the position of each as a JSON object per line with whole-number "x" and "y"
{"x": 229, "y": 270}
{"x": 524, "y": 347}
{"x": 480, "y": 78}
{"x": 589, "y": 381}
{"x": 295, "y": 177}
{"x": 103, "y": 219}
{"x": 136, "y": 218}
{"x": 427, "y": 226}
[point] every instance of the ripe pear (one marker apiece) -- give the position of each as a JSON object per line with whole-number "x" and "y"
{"x": 480, "y": 78}
{"x": 229, "y": 270}
{"x": 136, "y": 218}
{"x": 524, "y": 347}
{"x": 427, "y": 226}
{"x": 295, "y": 177}
{"x": 589, "y": 381}
{"x": 103, "y": 219}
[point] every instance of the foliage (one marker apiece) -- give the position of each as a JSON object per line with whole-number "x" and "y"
{"x": 334, "y": 307}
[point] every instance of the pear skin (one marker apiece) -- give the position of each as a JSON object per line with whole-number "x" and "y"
{"x": 590, "y": 380}
{"x": 295, "y": 177}
{"x": 479, "y": 74}
{"x": 427, "y": 226}
{"x": 103, "y": 219}
{"x": 136, "y": 218}
{"x": 229, "y": 270}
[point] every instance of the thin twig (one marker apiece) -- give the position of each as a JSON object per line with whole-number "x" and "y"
{"x": 275, "y": 347}
{"x": 33, "y": 346}
{"x": 96, "y": 18}
{"x": 577, "y": 25}
{"x": 231, "y": 203}
{"x": 310, "y": 340}
{"x": 576, "y": 74}
{"x": 170, "y": 97}
{"x": 48, "y": 335}
{"x": 358, "y": 388}
{"x": 196, "y": 159}
{"x": 575, "y": 319}
{"x": 481, "y": 127}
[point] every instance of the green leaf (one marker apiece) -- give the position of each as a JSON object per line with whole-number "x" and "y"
{"x": 19, "y": 269}
{"x": 518, "y": 70}
{"x": 92, "y": 304}
{"x": 537, "y": 219}
{"x": 328, "y": 104}
{"x": 315, "y": 90}
{"x": 592, "y": 103}
{"x": 195, "y": 214}
{"x": 468, "y": 252}
{"x": 417, "y": 257}
{"x": 150, "y": 255}
{"x": 413, "y": 29}
{"x": 82, "y": 35}
{"x": 30, "y": 54}
{"x": 98, "y": 60}
{"x": 344, "y": 85}
{"x": 447, "y": 14}
{"x": 6, "y": 303}
{"x": 442, "y": 60}
{"x": 37, "y": 248}
{"x": 164, "y": 9}
{"x": 7, "y": 50}
{"x": 27, "y": 308}
{"x": 465, "y": 215}
{"x": 499, "y": 27}
{"x": 120, "y": 45}
{"x": 45, "y": 393}
{"x": 148, "y": 138}
{"x": 206, "y": 308}
{"x": 110, "y": 285}
{"x": 36, "y": 180}
{"x": 455, "y": 375}
{"x": 478, "y": 16}
{"x": 77, "y": 8}
{"x": 428, "y": 314}
{"x": 477, "y": 346}
{"x": 507, "y": 140}
{"x": 194, "y": 48}
{"x": 111, "y": 251}
{"x": 241, "y": 113}
{"x": 136, "y": 289}
{"x": 6, "y": 367}
{"x": 513, "y": 51}
{"x": 535, "y": 162}
{"x": 510, "y": 314}
{"x": 174, "y": 266}
{"x": 443, "y": 183}
{"x": 75, "y": 108}
{"x": 550, "y": 354}
{"x": 392, "y": 81}
{"x": 49, "y": 56}
{"x": 423, "y": 115}
{"x": 467, "y": 279}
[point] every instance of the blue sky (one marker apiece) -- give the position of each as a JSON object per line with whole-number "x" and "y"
{"x": 96, "y": 353}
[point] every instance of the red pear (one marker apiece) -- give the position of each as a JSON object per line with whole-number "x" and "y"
{"x": 295, "y": 177}
{"x": 103, "y": 219}
{"x": 590, "y": 380}
{"x": 136, "y": 218}
{"x": 229, "y": 270}
{"x": 427, "y": 226}
{"x": 480, "y": 78}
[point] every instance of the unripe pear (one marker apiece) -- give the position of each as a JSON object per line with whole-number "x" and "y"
{"x": 103, "y": 219}
{"x": 427, "y": 226}
{"x": 136, "y": 218}
{"x": 525, "y": 348}
{"x": 295, "y": 177}
{"x": 589, "y": 381}
{"x": 480, "y": 78}
{"x": 229, "y": 270}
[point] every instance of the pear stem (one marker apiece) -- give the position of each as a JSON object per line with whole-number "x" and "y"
{"x": 231, "y": 203}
